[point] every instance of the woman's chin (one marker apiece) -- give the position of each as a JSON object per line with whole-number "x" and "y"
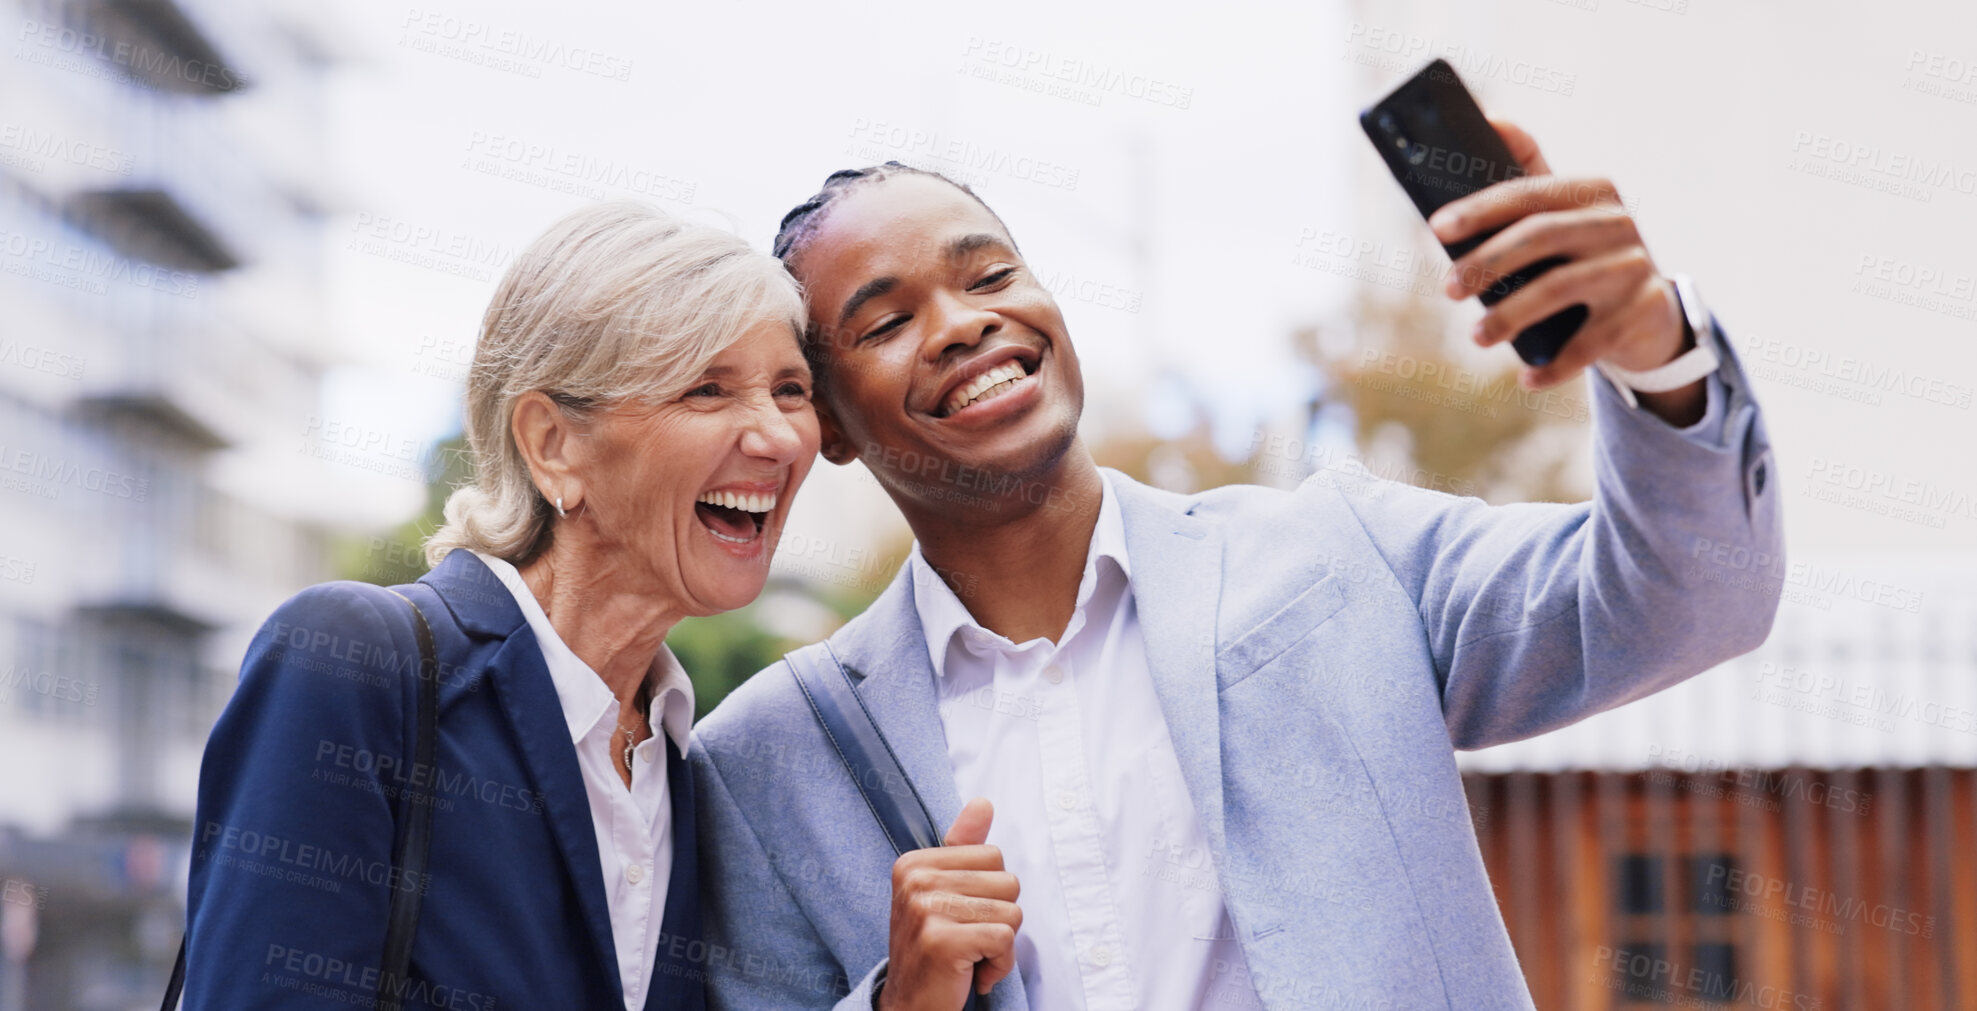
{"x": 729, "y": 586}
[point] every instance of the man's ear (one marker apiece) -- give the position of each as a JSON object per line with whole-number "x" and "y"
{"x": 832, "y": 443}
{"x": 546, "y": 437}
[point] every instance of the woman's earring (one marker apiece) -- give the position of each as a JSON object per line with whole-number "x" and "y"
{"x": 559, "y": 506}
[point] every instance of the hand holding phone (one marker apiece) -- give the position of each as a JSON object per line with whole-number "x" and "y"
{"x": 1439, "y": 145}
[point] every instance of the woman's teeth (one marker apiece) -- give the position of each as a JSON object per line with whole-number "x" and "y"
{"x": 734, "y": 517}
{"x": 989, "y": 384}
{"x": 745, "y": 503}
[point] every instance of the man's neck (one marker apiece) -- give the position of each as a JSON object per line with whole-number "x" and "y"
{"x": 1017, "y": 567}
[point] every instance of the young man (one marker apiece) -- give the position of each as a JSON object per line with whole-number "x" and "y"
{"x": 1217, "y": 729}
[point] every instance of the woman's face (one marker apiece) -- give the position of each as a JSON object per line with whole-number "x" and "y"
{"x": 695, "y": 491}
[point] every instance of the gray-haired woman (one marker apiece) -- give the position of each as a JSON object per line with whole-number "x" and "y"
{"x": 639, "y": 416}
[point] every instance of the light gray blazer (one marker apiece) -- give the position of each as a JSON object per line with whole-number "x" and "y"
{"x": 1320, "y": 654}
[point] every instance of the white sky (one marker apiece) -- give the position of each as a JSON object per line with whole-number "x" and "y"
{"x": 1699, "y": 114}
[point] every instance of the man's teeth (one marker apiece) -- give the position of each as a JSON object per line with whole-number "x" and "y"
{"x": 745, "y": 503}
{"x": 980, "y": 387}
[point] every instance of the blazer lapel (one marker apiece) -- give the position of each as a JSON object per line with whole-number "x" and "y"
{"x": 677, "y": 981}
{"x": 1177, "y": 586}
{"x": 529, "y": 698}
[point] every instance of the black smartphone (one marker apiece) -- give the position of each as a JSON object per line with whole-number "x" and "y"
{"x": 1435, "y": 140}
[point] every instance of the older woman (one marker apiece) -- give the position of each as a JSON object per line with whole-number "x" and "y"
{"x": 639, "y": 416}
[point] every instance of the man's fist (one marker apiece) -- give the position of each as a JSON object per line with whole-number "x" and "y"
{"x": 1635, "y": 320}
{"x": 952, "y": 908}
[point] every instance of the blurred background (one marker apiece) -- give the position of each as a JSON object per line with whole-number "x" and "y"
{"x": 244, "y": 248}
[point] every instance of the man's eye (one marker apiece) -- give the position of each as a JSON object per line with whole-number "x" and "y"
{"x": 994, "y": 278}
{"x": 885, "y": 328}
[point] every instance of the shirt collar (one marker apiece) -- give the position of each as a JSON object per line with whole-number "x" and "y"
{"x": 943, "y": 616}
{"x": 585, "y": 698}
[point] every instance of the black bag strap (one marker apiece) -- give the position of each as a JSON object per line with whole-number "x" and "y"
{"x": 848, "y": 725}
{"x": 888, "y": 793}
{"x": 410, "y": 850}
{"x": 414, "y": 844}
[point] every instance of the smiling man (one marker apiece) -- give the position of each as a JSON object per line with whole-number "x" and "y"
{"x": 1211, "y": 736}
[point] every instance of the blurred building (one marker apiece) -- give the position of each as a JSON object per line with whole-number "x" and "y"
{"x": 160, "y": 262}
{"x": 1790, "y": 830}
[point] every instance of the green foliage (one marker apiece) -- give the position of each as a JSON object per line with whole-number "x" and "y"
{"x": 722, "y": 651}
{"x": 398, "y": 556}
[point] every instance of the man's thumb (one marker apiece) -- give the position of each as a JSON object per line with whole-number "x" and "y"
{"x": 971, "y": 826}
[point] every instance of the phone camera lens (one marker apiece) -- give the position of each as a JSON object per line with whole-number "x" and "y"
{"x": 1387, "y": 123}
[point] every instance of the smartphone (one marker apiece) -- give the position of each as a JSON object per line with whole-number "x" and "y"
{"x": 1435, "y": 140}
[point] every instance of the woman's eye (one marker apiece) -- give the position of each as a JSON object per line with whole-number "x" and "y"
{"x": 705, "y": 390}
{"x": 792, "y": 390}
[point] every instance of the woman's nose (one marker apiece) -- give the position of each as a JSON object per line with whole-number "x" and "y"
{"x": 772, "y": 433}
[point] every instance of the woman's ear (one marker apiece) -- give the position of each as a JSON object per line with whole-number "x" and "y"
{"x": 832, "y": 443}
{"x": 546, "y": 437}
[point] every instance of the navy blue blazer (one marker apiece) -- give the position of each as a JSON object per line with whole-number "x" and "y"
{"x": 302, "y": 784}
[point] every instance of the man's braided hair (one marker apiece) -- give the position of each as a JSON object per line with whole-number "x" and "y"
{"x": 803, "y": 221}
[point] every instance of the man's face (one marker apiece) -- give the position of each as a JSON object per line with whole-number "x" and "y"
{"x": 940, "y": 350}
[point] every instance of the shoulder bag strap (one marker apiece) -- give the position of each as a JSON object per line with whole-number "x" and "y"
{"x": 890, "y": 796}
{"x": 414, "y": 844}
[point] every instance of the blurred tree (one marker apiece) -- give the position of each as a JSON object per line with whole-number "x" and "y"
{"x": 1423, "y": 416}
